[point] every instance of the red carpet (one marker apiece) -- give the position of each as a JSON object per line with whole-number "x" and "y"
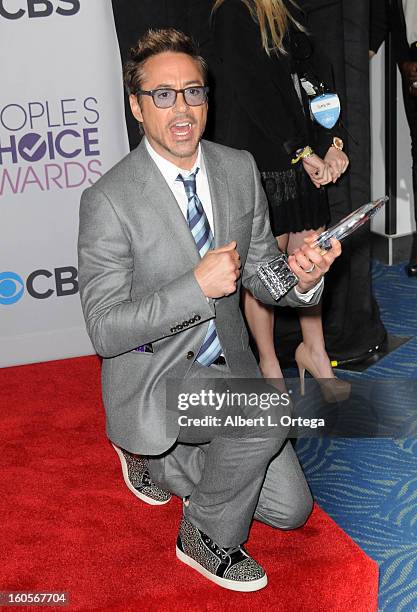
{"x": 70, "y": 524}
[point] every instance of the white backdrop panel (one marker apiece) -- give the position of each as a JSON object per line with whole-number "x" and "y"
{"x": 61, "y": 127}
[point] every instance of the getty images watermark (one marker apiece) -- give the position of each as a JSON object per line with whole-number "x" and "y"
{"x": 380, "y": 408}
{"x": 228, "y": 401}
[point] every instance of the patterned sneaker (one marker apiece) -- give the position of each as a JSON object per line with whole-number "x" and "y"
{"x": 137, "y": 478}
{"x": 230, "y": 568}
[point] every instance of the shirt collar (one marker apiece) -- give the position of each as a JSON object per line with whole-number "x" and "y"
{"x": 169, "y": 170}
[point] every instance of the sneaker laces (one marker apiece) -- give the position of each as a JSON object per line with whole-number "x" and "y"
{"x": 224, "y": 552}
{"x": 232, "y": 549}
{"x": 218, "y": 549}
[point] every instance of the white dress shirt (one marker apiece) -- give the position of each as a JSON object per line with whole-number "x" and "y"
{"x": 170, "y": 172}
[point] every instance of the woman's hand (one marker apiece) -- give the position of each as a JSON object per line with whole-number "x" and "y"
{"x": 337, "y": 162}
{"x": 317, "y": 169}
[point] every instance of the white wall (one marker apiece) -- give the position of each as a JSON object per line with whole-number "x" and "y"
{"x": 405, "y": 214}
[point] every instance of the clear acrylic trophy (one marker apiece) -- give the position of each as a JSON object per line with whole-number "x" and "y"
{"x": 276, "y": 274}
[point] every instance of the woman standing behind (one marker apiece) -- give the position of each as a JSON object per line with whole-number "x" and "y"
{"x": 262, "y": 50}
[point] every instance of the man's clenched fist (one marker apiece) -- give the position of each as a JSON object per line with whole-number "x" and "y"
{"x": 218, "y": 271}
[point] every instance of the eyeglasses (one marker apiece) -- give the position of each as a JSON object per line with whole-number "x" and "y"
{"x": 166, "y": 97}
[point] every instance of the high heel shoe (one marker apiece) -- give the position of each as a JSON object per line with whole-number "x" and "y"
{"x": 333, "y": 389}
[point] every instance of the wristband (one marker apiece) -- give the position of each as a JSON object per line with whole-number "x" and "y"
{"x": 301, "y": 154}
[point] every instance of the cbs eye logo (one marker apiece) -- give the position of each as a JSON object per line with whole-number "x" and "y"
{"x": 12, "y": 287}
{"x": 63, "y": 280}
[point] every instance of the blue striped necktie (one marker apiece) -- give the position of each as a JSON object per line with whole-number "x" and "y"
{"x": 202, "y": 234}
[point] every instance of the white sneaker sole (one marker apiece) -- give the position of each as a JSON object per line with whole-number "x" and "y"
{"x": 232, "y": 585}
{"x": 144, "y": 498}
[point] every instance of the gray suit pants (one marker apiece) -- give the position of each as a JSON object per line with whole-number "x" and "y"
{"x": 231, "y": 478}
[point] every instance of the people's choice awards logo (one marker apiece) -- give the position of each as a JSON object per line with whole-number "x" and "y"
{"x": 14, "y": 9}
{"x": 11, "y": 288}
{"x": 40, "y": 284}
{"x": 32, "y": 148}
{"x": 49, "y": 145}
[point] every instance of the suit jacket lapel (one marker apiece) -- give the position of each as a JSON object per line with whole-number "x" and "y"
{"x": 219, "y": 194}
{"x": 160, "y": 197}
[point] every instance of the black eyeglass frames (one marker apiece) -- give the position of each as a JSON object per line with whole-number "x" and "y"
{"x": 166, "y": 97}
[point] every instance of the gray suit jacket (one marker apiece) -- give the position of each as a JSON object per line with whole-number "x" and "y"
{"x": 137, "y": 286}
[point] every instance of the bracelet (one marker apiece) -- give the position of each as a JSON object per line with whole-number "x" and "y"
{"x": 337, "y": 143}
{"x": 301, "y": 154}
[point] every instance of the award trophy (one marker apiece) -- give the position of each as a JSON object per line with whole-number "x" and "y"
{"x": 276, "y": 274}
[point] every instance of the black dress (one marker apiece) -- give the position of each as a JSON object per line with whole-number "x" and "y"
{"x": 259, "y": 109}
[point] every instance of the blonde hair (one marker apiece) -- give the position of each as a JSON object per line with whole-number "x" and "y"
{"x": 273, "y": 19}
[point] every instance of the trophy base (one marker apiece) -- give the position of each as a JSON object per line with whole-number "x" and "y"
{"x": 277, "y": 276}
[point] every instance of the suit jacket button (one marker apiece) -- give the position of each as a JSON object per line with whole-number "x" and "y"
{"x": 197, "y": 317}
{"x": 190, "y": 355}
{"x": 172, "y": 330}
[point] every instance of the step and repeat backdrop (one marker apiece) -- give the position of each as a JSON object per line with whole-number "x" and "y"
{"x": 61, "y": 127}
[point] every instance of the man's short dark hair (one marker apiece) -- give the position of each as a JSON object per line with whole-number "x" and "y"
{"x": 154, "y": 42}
